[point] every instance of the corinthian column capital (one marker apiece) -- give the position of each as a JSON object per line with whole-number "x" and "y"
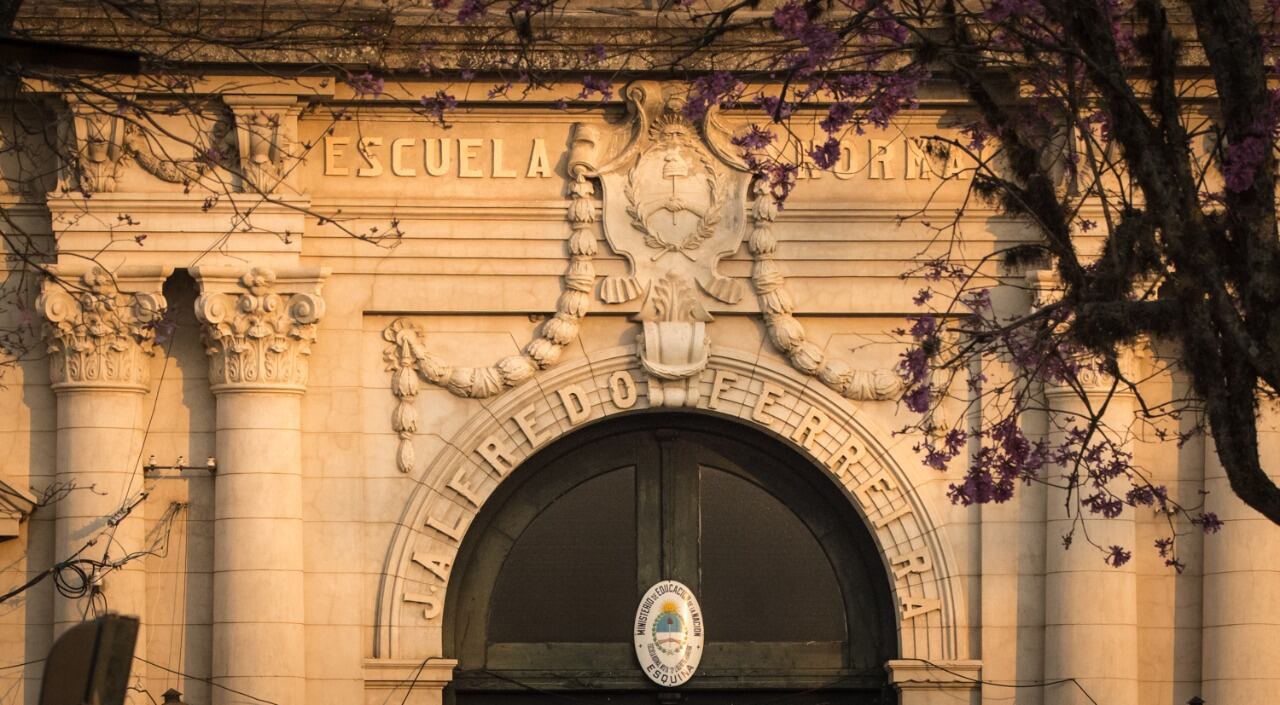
{"x": 100, "y": 326}
{"x": 259, "y": 325}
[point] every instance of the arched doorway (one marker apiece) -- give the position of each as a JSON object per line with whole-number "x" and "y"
{"x": 797, "y": 605}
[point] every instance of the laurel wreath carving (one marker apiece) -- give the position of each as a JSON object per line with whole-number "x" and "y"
{"x": 706, "y": 224}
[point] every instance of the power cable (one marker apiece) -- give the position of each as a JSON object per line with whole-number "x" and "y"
{"x": 1038, "y": 684}
{"x": 210, "y": 681}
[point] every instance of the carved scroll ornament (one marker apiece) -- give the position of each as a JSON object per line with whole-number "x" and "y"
{"x": 98, "y": 335}
{"x": 102, "y": 142}
{"x": 256, "y": 335}
{"x": 674, "y": 205}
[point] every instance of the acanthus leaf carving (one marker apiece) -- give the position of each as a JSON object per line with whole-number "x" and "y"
{"x": 673, "y": 346}
{"x": 266, "y": 134}
{"x": 98, "y": 334}
{"x": 256, "y": 335}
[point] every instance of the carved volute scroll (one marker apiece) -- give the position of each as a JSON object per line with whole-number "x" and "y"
{"x": 94, "y": 137}
{"x": 673, "y": 346}
{"x": 259, "y": 325}
{"x": 100, "y": 326}
{"x": 101, "y": 141}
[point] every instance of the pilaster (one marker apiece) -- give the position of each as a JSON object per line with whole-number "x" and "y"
{"x": 1091, "y": 607}
{"x": 258, "y": 328}
{"x": 100, "y": 330}
{"x": 1240, "y": 649}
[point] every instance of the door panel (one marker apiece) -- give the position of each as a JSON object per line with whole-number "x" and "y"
{"x": 794, "y": 593}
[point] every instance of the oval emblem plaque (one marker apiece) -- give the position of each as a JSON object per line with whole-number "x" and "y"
{"x": 668, "y": 633}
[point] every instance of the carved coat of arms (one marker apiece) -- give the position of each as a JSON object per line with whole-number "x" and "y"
{"x": 674, "y": 201}
{"x": 674, "y": 206}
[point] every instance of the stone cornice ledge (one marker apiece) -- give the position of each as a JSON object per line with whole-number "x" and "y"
{"x": 15, "y": 506}
{"x": 391, "y": 674}
{"x": 917, "y": 674}
{"x": 157, "y": 225}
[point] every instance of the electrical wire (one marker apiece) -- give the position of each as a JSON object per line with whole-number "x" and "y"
{"x": 32, "y": 662}
{"x": 1037, "y": 684}
{"x": 210, "y": 681}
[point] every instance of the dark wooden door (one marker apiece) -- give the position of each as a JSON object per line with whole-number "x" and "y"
{"x": 793, "y": 594}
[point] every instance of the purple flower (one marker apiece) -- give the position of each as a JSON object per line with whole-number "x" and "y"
{"x": 827, "y": 154}
{"x": 365, "y": 84}
{"x": 1208, "y": 522}
{"x": 437, "y": 105}
{"x": 917, "y": 399}
{"x": 1241, "y": 162}
{"x": 719, "y": 88}
{"x": 838, "y": 115}
{"x": 791, "y": 18}
{"x": 1117, "y": 556}
{"x": 1106, "y": 505}
{"x": 782, "y": 178}
{"x": 978, "y": 134}
{"x": 755, "y": 138}
{"x": 914, "y": 365}
{"x": 596, "y": 84}
{"x": 470, "y": 10}
{"x": 923, "y": 327}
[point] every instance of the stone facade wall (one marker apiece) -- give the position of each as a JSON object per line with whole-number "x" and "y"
{"x": 343, "y": 386}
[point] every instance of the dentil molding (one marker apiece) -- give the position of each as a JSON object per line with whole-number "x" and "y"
{"x": 259, "y": 325}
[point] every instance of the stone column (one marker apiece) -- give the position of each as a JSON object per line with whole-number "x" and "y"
{"x": 258, "y": 331}
{"x": 1090, "y": 607}
{"x": 100, "y": 328}
{"x": 1241, "y": 632}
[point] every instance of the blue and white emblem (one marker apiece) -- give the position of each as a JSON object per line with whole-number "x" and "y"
{"x": 668, "y": 633}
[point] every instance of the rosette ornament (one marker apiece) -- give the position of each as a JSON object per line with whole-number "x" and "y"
{"x": 100, "y": 326}
{"x": 258, "y": 327}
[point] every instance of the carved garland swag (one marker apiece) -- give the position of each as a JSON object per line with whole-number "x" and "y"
{"x": 409, "y": 360}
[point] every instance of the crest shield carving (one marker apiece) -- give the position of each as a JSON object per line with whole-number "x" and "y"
{"x": 674, "y": 205}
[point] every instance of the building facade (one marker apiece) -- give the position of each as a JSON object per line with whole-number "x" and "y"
{"x": 407, "y": 410}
